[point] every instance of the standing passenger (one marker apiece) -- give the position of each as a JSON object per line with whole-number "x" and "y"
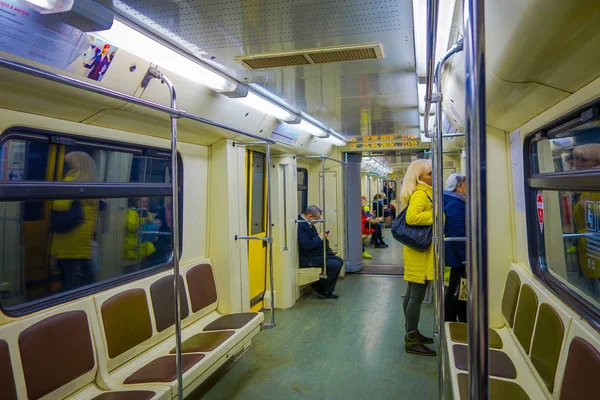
{"x": 455, "y": 252}
{"x": 416, "y": 194}
{"x": 73, "y": 249}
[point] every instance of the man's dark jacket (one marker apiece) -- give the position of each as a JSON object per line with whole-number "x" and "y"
{"x": 310, "y": 244}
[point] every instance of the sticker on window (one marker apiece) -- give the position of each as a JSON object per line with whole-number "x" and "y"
{"x": 540, "y": 210}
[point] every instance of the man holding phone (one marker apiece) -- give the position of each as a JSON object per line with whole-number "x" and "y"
{"x": 310, "y": 243}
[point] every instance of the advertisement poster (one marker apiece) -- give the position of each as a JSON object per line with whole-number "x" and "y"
{"x": 45, "y": 39}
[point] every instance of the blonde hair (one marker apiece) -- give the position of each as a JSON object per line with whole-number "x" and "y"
{"x": 590, "y": 151}
{"x": 411, "y": 178}
{"x": 82, "y": 167}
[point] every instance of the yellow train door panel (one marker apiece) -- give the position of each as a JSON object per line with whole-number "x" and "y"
{"x": 257, "y": 250}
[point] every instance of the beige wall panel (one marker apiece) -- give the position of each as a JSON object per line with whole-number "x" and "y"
{"x": 498, "y": 214}
{"x": 285, "y": 252}
{"x": 227, "y": 218}
{"x": 43, "y": 97}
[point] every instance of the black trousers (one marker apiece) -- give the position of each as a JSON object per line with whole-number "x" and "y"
{"x": 75, "y": 273}
{"x": 334, "y": 266}
{"x": 454, "y": 308}
{"x": 377, "y": 236}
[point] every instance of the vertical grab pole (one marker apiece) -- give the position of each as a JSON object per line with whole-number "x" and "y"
{"x": 285, "y": 221}
{"x": 438, "y": 195}
{"x": 271, "y": 324}
{"x": 324, "y": 274}
{"x": 175, "y": 233}
{"x": 475, "y": 124}
{"x": 346, "y": 200}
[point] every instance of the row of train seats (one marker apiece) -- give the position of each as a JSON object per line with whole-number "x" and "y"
{"x": 544, "y": 351}
{"x": 119, "y": 344}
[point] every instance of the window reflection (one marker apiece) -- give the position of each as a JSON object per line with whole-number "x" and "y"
{"x": 55, "y": 246}
{"x": 575, "y": 150}
{"x": 105, "y": 240}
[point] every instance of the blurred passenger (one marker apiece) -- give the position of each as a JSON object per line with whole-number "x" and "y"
{"x": 310, "y": 244}
{"x": 164, "y": 242}
{"x": 372, "y": 226}
{"x": 587, "y": 157}
{"x": 378, "y": 205}
{"x": 73, "y": 248}
{"x": 455, "y": 252}
{"x": 416, "y": 194}
{"x": 138, "y": 244}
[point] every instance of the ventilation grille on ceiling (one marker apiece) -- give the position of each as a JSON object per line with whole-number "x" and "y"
{"x": 324, "y": 55}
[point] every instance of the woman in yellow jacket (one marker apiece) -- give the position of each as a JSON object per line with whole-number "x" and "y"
{"x": 416, "y": 194}
{"x": 73, "y": 249}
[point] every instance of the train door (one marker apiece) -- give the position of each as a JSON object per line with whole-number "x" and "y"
{"x": 257, "y": 226}
{"x": 331, "y": 211}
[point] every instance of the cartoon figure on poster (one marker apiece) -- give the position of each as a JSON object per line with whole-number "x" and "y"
{"x": 98, "y": 63}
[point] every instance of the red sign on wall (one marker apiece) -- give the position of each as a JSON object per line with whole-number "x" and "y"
{"x": 540, "y": 210}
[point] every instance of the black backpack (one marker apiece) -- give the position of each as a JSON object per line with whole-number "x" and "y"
{"x": 65, "y": 221}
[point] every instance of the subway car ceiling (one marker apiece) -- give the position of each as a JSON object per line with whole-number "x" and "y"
{"x": 380, "y": 93}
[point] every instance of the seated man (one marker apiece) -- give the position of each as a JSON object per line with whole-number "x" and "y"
{"x": 311, "y": 244}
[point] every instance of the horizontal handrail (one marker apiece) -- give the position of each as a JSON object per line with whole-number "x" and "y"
{"x": 264, "y": 239}
{"x": 314, "y": 221}
{"x": 576, "y": 235}
{"x": 51, "y": 76}
{"x": 455, "y": 239}
{"x": 323, "y": 158}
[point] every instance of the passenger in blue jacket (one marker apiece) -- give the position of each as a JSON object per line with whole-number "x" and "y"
{"x": 455, "y": 252}
{"x": 310, "y": 243}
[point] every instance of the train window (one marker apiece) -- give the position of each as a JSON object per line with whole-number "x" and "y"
{"x": 59, "y": 241}
{"x": 564, "y": 208}
{"x": 302, "y": 189}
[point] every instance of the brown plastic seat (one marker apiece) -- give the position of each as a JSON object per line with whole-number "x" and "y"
{"x": 581, "y": 371}
{"x": 7, "y": 379}
{"x": 231, "y": 321}
{"x": 126, "y": 395}
{"x": 525, "y": 316}
{"x": 511, "y": 296}
{"x": 547, "y": 343}
{"x": 55, "y": 352}
{"x": 162, "y": 293}
{"x": 500, "y": 364}
{"x": 163, "y": 369}
{"x": 458, "y": 333}
{"x": 204, "y": 342}
{"x": 498, "y": 389}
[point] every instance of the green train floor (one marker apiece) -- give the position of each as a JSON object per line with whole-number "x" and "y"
{"x": 350, "y": 348}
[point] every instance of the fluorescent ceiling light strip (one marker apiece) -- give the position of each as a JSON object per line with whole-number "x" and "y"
{"x": 420, "y": 26}
{"x": 142, "y": 46}
{"x": 311, "y": 128}
{"x": 263, "y": 105}
{"x": 336, "y": 138}
{"x": 445, "y": 17}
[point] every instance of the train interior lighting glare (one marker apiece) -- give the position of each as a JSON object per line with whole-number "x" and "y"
{"x": 311, "y": 128}
{"x": 50, "y": 6}
{"x": 420, "y": 23}
{"x": 144, "y": 47}
{"x": 336, "y": 139}
{"x": 262, "y": 105}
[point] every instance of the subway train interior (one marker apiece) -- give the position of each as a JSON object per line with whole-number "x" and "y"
{"x": 299, "y": 199}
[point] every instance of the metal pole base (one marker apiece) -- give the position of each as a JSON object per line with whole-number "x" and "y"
{"x": 323, "y": 276}
{"x": 267, "y": 325}
{"x": 436, "y": 334}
